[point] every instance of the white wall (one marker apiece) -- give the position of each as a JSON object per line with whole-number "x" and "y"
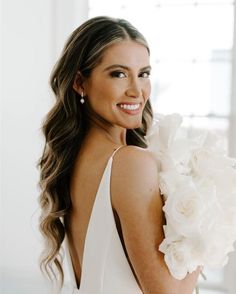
{"x": 33, "y": 33}
{"x": 230, "y": 269}
{"x": 232, "y": 130}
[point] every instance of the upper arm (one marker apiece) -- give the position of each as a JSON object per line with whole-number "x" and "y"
{"x": 137, "y": 201}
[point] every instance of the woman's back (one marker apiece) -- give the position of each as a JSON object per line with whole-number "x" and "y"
{"x": 85, "y": 181}
{"x": 94, "y": 233}
{"x": 135, "y": 197}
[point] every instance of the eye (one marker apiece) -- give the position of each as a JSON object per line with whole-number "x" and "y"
{"x": 145, "y": 74}
{"x": 117, "y": 74}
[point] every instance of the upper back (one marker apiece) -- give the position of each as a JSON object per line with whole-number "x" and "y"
{"x": 135, "y": 197}
{"x": 85, "y": 181}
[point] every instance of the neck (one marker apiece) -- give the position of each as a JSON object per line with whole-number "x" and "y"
{"x": 114, "y": 135}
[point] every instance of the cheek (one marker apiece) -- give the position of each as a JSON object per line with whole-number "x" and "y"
{"x": 102, "y": 98}
{"x": 106, "y": 90}
{"x": 147, "y": 90}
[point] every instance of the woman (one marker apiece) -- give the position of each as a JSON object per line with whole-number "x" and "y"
{"x": 106, "y": 201}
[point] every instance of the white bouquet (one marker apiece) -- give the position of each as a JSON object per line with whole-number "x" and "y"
{"x": 198, "y": 184}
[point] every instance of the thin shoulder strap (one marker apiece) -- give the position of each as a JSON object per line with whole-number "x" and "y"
{"x": 117, "y": 150}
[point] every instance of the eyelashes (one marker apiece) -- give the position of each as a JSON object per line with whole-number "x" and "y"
{"x": 121, "y": 74}
{"x": 117, "y": 74}
{"x": 145, "y": 74}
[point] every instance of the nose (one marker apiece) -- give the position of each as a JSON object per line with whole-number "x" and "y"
{"x": 134, "y": 88}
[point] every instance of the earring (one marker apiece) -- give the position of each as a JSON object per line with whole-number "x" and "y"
{"x": 82, "y": 98}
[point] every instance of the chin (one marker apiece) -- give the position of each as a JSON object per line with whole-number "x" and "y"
{"x": 131, "y": 124}
{"x": 134, "y": 125}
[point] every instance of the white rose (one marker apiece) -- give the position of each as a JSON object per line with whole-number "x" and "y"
{"x": 184, "y": 209}
{"x": 178, "y": 257}
{"x": 217, "y": 249}
{"x": 169, "y": 181}
{"x": 199, "y": 185}
{"x": 170, "y": 234}
{"x": 212, "y": 141}
{"x": 205, "y": 163}
{"x": 168, "y": 126}
{"x": 153, "y": 139}
{"x": 162, "y": 132}
{"x": 180, "y": 151}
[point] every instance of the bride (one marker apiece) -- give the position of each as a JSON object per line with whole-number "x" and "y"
{"x": 99, "y": 183}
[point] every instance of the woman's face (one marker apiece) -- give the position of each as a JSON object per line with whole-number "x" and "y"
{"x": 118, "y": 88}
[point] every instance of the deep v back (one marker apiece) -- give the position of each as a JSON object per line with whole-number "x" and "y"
{"x": 105, "y": 268}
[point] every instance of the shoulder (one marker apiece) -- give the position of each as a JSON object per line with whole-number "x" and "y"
{"x": 132, "y": 157}
{"x": 134, "y": 178}
{"x": 134, "y": 150}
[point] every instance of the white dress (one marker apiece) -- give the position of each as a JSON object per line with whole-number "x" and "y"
{"x": 105, "y": 268}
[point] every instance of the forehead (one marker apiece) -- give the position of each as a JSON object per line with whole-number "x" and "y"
{"x": 129, "y": 53}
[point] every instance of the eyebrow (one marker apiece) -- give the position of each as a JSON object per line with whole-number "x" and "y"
{"x": 125, "y": 67}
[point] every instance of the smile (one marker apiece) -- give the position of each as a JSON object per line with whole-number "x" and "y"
{"x": 133, "y": 108}
{"x": 129, "y": 106}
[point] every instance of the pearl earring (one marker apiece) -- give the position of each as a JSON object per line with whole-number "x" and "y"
{"x": 82, "y": 98}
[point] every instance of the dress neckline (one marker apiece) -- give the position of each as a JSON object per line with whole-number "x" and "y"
{"x": 71, "y": 270}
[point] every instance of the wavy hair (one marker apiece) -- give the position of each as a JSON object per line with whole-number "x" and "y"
{"x": 66, "y": 125}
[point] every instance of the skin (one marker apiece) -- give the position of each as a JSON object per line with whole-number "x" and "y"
{"x": 120, "y": 77}
{"x": 135, "y": 196}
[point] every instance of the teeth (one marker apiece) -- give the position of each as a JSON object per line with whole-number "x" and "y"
{"x": 129, "y": 106}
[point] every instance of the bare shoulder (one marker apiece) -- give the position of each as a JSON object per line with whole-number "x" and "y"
{"x": 129, "y": 153}
{"x": 135, "y": 164}
{"x": 134, "y": 179}
{"x": 134, "y": 186}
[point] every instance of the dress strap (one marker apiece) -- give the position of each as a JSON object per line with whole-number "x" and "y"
{"x": 117, "y": 150}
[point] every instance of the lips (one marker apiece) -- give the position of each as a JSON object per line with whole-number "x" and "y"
{"x": 130, "y": 108}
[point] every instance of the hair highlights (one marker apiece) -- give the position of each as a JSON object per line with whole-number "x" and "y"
{"x": 66, "y": 125}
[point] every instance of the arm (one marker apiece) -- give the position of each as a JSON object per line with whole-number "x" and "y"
{"x": 137, "y": 201}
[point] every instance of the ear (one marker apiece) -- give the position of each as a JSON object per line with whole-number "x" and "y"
{"x": 78, "y": 83}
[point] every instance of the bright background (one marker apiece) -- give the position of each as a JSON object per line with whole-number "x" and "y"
{"x": 194, "y": 73}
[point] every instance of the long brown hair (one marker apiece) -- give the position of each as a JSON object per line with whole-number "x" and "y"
{"x": 66, "y": 125}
